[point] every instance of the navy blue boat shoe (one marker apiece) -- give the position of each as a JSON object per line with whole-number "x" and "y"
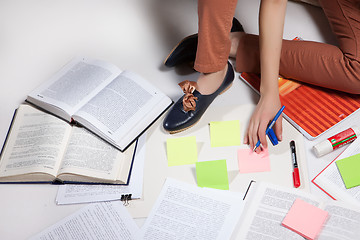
{"x": 191, "y": 106}
{"x": 185, "y": 50}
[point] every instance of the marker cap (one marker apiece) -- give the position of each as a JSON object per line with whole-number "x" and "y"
{"x": 296, "y": 178}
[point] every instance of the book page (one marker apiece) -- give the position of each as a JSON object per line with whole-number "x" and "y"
{"x": 35, "y": 144}
{"x": 76, "y": 193}
{"x": 331, "y": 181}
{"x": 106, "y": 220}
{"x": 343, "y": 222}
{"x": 185, "y": 211}
{"x": 266, "y": 206}
{"x": 88, "y": 155}
{"x": 75, "y": 84}
{"x": 128, "y": 104}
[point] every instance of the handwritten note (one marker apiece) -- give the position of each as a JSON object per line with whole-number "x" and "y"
{"x": 250, "y": 161}
{"x": 225, "y": 133}
{"x": 181, "y": 151}
{"x": 212, "y": 174}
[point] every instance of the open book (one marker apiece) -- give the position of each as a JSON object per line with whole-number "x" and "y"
{"x": 75, "y": 193}
{"x": 310, "y": 109}
{"x": 330, "y": 181}
{"x": 43, "y": 148}
{"x": 115, "y": 105}
{"x": 267, "y": 204}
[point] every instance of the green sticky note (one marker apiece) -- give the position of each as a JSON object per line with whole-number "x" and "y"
{"x": 181, "y": 151}
{"x": 225, "y": 133}
{"x": 349, "y": 169}
{"x": 212, "y": 174}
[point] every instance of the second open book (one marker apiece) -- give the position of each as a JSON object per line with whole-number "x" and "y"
{"x": 114, "y": 104}
{"x": 43, "y": 148}
{"x": 267, "y": 204}
{"x": 330, "y": 180}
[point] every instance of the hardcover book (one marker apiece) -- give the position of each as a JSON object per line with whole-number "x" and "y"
{"x": 310, "y": 109}
{"x": 113, "y": 104}
{"x": 41, "y": 148}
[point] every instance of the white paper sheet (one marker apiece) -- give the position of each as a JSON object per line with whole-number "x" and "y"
{"x": 106, "y": 220}
{"x": 185, "y": 211}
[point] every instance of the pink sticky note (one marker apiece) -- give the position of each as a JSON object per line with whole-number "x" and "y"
{"x": 305, "y": 219}
{"x": 250, "y": 161}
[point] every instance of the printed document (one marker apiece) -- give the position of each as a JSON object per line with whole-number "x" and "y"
{"x": 106, "y": 220}
{"x": 185, "y": 211}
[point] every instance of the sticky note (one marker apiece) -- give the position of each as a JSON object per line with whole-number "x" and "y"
{"x": 225, "y": 133}
{"x": 349, "y": 169}
{"x": 212, "y": 174}
{"x": 305, "y": 219}
{"x": 250, "y": 161}
{"x": 181, "y": 151}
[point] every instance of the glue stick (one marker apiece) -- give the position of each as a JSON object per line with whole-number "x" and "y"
{"x": 336, "y": 141}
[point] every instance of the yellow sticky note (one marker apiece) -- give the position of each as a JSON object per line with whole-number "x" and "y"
{"x": 212, "y": 174}
{"x": 181, "y": 151}
{"x": 225, "y": 133}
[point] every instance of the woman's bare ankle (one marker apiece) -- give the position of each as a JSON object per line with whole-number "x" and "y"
{"x": 208, "y": 83}
{"x": 235, "y": 39}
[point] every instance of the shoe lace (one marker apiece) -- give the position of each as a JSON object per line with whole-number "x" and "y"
{"x": 189, "y": 100}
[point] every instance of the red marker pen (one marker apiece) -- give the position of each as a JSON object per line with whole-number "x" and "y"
{"x": 296, "y": 175}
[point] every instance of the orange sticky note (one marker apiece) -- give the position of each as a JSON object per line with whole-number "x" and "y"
{"x": 250, "y": 161}
{"x": 305, "y": 219}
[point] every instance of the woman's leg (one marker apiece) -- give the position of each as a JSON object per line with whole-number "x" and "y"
{"x": 317, "y": 63}
{"x": 215, "y": 20}
{"x": 216, "y": 74}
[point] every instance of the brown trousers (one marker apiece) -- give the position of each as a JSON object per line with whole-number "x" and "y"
{"x": 311, "y": 62}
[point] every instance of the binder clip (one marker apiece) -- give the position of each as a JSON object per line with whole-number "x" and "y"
{"x": 125, "y": 198}
{"x": 272, "y": 137}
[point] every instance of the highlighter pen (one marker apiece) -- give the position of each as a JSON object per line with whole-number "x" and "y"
{"x": 270, "y": 126}
{"x": 296, "y": 176}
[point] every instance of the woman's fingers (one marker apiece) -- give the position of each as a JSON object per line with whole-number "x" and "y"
{"x": 278, "y": 128}
{"x": 264, "y": 113}
{"x": 261, "y": 132}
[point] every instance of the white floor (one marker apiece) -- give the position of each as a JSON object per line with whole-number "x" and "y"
{"x": 39, "y": 36}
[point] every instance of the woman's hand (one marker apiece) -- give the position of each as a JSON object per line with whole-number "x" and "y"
{"x": 271, "y": 24}
{"x": 265, "y": 111}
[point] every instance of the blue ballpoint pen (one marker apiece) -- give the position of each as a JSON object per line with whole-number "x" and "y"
{"x": 270, "y": 126}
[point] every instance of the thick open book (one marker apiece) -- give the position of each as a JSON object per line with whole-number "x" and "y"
{"x": 310, "y": 109}
{"x": 330, "y": 181}
{"x": 43, "y": 148}
{"x": 267, "y": 204}
{"x": 114, "y": 104}
{"x": 75, "y": 193}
